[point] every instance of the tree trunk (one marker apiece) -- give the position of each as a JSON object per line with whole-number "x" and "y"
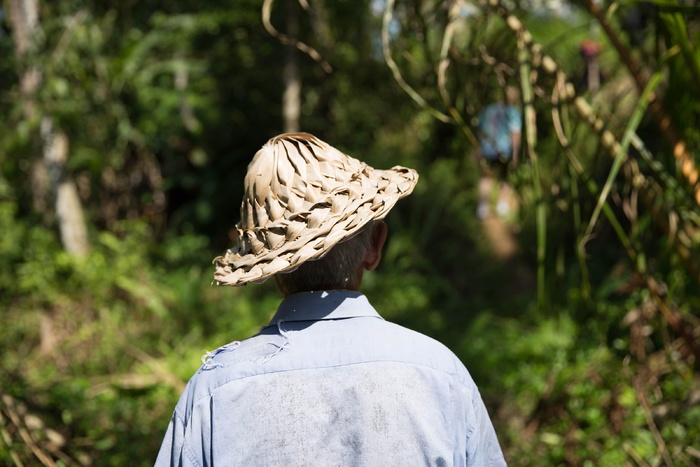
{"x": 24, "y": 17}
{"x": 291, "y": 99}
{"x": 69, "y": 211}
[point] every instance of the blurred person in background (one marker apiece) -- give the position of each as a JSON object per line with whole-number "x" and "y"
{"x": 500, "y": 134}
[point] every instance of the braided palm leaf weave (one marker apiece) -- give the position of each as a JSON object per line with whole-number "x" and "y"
{"x": 302, "y": 196}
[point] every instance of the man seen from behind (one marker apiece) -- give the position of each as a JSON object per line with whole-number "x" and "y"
{"x": 328, "y": 382}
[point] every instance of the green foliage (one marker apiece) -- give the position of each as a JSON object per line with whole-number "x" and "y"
{"x": 114, "y": 336}
{"x": 164, "y": 104}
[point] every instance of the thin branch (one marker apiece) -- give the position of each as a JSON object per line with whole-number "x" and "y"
{"x": 293, "y": 41}
{"x": 442, "y": 75}
{"x": 71, "y": 25}
{"x": 651, "y": 424}
{"x": 386, "y": 43}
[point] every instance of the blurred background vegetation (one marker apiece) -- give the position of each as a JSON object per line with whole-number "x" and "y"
{"x": 127, "y": 127}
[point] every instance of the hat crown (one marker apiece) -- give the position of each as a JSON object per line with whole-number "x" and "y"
{"x": 294, "y": 182}
{"x": 290, "y": 174}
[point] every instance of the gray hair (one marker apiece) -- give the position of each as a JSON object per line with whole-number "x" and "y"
{"x": 339, "y": 269}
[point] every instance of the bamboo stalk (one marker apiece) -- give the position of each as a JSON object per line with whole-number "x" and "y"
{"x": 663, "y": 120}
{"x": 632, "y": 174}
{"x": 530, "y": 140}
{"x": 621, "y": 151}
{"x": 681, "y": 242}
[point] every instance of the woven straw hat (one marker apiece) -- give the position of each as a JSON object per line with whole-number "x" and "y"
{"x": 302, "y": 196}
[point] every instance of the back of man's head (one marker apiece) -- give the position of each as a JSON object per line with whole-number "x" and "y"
{"x": 340, "y": 269}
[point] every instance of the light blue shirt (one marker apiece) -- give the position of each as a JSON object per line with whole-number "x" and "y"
{"x": 497, "y": 122}
{"x": 330, "y": 383}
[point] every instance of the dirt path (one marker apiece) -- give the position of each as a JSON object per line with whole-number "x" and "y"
{"x": 500, "y": 236}
{"x": 499, "y": 230}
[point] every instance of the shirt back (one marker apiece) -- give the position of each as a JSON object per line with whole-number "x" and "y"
{"x": 329, "y": 382}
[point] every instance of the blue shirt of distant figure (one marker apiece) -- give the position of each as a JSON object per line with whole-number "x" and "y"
{"x": 330, "y": 383}
{"x": 497, "y": 122}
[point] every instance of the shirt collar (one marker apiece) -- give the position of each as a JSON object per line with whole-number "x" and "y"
{"x": 314, "y": 306}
